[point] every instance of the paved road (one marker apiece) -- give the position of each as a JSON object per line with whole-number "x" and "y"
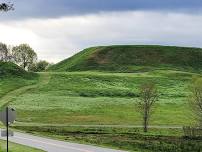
{"x": 50, "y": 145}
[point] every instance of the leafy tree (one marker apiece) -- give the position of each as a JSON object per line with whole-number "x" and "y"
{"x": 42, "y": 65}
{"x": 195, "y": 98}
{"x": 39, "y": 66}
{"x": 6, "y": 7}
{"x": 32, "y": 67}
{"x": 24, "y": 55}
{"x": 148, "y": 97}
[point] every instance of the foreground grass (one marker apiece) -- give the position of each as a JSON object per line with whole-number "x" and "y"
{"x": 80, "y": 110}
{"x": 130, "y": 139}
{"x": 13, "y": 77}
{"x": 105, "y": 98}
{"x": 8, "y": 84}
{"x": 98, "y": 98}
{"x": 16, "y": 148}
{"x": 95, "y": 98}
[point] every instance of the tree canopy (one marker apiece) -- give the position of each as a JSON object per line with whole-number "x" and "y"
{"x": 24, "y": 55}
{"x": 6, "y": 7}
{"x": 39, "y": 66}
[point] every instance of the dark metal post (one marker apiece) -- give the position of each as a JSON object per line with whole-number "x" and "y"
{"x": 7, "y": 126}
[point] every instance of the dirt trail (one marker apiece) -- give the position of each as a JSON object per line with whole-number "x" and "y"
{"x": 10, "y": 96}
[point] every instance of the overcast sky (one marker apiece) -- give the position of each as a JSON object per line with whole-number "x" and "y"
{"x": 57, "y": 29}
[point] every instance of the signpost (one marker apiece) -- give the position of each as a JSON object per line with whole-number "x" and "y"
{"x": 7, "y": 117}
{"x": 7, "y": 126}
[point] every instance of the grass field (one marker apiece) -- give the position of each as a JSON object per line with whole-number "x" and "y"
{"x": 99, "y": 106}
{"x": 95, "y": 98}
{"x": 104, "y": 98}
{"x": 52, "y": 102}
{"x": 9, "y": 84}
{"x": 13, "y": 77}
{"x": 16, "y": 148}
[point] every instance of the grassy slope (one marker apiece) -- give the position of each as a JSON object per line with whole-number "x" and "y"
{"x": 132, "y": 59}
{"x": 78, "y": 58}
{"x": 16, "y": 148}
{"x": 10, "y": 69}
{"x": 104, "y": 98}
{"x": 13, "y": 77}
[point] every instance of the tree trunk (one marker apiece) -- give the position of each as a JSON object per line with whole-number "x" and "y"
{"x": 24, "y": 65}
{"x": 146, "y": 118}
{"x": 145, "y": 124}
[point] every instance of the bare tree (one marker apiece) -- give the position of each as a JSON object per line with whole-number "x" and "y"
{"x": 6, "y": 7}
{"x": 195, "y": 98}
{"x": 148, "y": 97}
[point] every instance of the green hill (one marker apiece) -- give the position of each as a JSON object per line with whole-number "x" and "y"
{"x": 132, "y": 58}
{"x": 13, "y": 77}
{"x": 8, "y": 69}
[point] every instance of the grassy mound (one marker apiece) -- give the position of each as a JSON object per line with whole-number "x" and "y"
{"x": 132, "y": 58}
{"x": 8, "y": 69}
{"x": 13, "y": 77}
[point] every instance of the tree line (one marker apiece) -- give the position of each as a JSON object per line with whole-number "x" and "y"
{"x": 22, "y": 55}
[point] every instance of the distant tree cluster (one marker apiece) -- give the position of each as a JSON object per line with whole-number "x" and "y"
{"x": 39, "y": 66}
{"x": 22, "y": 55}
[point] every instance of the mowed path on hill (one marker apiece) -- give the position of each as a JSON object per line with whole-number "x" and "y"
{"x": 6, "y": 99}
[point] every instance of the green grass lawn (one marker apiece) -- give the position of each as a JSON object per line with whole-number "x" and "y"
{"x": 9, "y": 83}
{"x": 105, "y": 98}
{"x": 13, "y": 77}
{"x": 96, "y": 98}
{"x": 16, "y": 148}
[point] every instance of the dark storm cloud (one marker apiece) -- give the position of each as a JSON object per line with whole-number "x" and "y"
{"x": 58, "y": 8}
